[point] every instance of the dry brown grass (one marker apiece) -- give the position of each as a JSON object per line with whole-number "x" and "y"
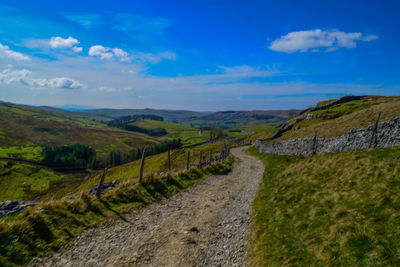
{"x": 342, "y": 125}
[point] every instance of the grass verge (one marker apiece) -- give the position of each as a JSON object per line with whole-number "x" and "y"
{"x": 50, "y": 224}
{"x": 334, "y": 209}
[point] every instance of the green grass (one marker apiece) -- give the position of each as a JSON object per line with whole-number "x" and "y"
{"x": 339, "y": 209}
{"x": 187, "y": 134}
{"x": 48, "y": 225}
{"x": 18, "y": 181}
{"x": 28, "y": 152}
{"x": 153, "y": 164}
{"x": 24, "y": 181}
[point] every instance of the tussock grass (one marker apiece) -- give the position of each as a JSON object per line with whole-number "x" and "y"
{"x": 50, "y": 224}
{"x": 338, "y": 209}
{"x": 347, "y": 116}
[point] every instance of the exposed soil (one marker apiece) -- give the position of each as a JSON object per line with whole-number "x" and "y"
{"x": 206, "y": 225}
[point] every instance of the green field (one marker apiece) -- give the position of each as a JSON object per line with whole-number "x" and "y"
{"x": 187, "y": 134}
{"x": 335, "y": 209}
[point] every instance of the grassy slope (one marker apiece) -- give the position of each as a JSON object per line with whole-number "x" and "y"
{"x": 25, "y": 126}
{"x": 353, "y": 114}
{"x": 187, "y": 134}
{"x": 260, "y": 131}
{"x": 338, "y": 209}
{"x": 153, "y": 164}
{"x": 49, "y": 225}
{"x": 23, "y": 181}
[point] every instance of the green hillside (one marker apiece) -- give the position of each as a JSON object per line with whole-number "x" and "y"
{"x": 187, "y": 134}
{"x": 23, "y": 126}
{"x": 339, "y": 119}
{"x": 334, "y": 209}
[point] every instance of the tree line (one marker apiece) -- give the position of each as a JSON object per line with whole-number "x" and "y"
{"x": 81, "y": 157}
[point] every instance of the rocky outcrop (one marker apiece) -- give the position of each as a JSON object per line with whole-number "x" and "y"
{"x": 106, "y": 187}
{"x": 387, "y": 135}
{"x": 11, "y": 207}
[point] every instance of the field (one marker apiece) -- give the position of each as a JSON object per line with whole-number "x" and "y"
{"x": 332, "y": 209}
{"x": 187, "y": 134}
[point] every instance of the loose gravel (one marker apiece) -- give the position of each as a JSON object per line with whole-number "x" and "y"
{"x": 205, "y": 225}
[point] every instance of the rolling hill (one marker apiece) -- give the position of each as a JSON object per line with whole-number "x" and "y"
{"x": 170, "y": 115}
{"x": 28, "y": 126}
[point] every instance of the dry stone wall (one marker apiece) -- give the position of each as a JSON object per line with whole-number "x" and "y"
{"x": 387, "y": 135}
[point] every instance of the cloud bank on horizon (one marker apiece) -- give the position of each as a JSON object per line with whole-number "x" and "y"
{"x": 162, "y": 59}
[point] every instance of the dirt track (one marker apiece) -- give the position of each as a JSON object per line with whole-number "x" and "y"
{"x": 206, "y": 225}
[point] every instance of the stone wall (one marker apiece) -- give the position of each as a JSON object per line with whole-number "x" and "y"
{"x": 388, "y": 135}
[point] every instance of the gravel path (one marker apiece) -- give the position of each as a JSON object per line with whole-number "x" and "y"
{"x": 206, "y": 225}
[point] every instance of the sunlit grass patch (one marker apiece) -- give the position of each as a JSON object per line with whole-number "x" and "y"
{"x": 329, "y": 210}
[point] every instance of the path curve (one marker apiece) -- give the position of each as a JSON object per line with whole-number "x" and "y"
{"x": 205, "y": 225}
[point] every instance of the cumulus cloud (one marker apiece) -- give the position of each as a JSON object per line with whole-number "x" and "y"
{"x": 7, "y": 53}
{"x": 24, "y": 76}
{"x": 59, "y": 42}
{"x": 318, "y": 40}
{"x": 106, "y": 52}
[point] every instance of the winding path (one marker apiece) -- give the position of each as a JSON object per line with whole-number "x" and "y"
{"x": 205, "y": 225}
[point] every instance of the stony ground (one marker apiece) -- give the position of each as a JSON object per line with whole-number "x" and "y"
{"x": 206, "y": 225}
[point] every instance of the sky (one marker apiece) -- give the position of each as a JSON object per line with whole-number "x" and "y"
{"x": 203, "y": 55}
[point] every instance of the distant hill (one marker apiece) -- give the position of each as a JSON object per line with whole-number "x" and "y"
{"x": 169, "y": 115}
{"x": 253, "y": 114}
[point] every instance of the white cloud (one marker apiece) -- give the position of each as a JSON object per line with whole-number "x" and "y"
{"x": 318, "y": 40}
{"x": 121, "y": 54}
{"x": 7, "y": 53}
{"x": 106, "y": 52}
{"x": 59, "y": 42}
{"x": 24, "y": 76}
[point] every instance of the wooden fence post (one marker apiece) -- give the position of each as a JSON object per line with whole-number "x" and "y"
{"x": 169, "y": 160}
{"x": 188, "y": 160}
{"x": 200, "y": 158}
{"x": 142, "y": 165}
{"x": 100, "y": 187}
{"x": 374, "y": 137}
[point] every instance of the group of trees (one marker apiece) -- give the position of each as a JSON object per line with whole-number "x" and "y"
{"x": 82, "y": 157}
{"x": 69, "y": 156}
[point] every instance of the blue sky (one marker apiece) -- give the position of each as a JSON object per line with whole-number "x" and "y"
{"x": 198, "y": 55}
